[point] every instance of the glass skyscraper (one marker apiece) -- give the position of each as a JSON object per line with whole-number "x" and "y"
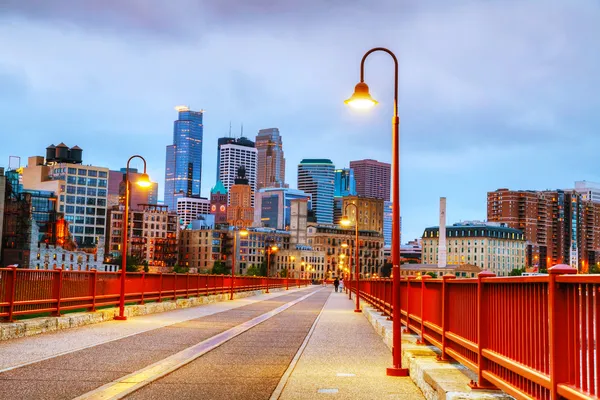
{"x": 316, "y": 177}
{"x": 184, "y": 157}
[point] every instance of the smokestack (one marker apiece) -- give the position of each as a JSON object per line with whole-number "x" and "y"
{"x": 442, "y": 230}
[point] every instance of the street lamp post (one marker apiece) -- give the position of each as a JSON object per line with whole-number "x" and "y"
{"x": 143, "y": 181}
{"x": 287, "y": 273}
{"x": 345, "y": 246}
{"x": 270, "y": 250}
{"x": 346, "y": 222}
{"x": 362, "y": 99}
{"x": 243, "y": 233}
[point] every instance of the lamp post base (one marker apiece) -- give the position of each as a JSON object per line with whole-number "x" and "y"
{"x": 358, "y": 310}
{"x": 120, "y": 318}
{"x": 393, "y": 371}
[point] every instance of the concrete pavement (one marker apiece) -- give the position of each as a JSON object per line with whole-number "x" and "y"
{"x": 345, "y": 359}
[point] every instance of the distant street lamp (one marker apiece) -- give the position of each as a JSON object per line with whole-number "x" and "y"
{"x": 362, "y": 99}
{"x": 346, "y": 222}
{"x": 287, "y": 273}
{"x": 270, "y": 250}
{"x": 243, "y": 233}
{"x": 349, "y": 288}
{"x": 143, "y": 181}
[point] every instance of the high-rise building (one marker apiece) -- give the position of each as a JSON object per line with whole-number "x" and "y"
{"x": 492, "y": 246}
{"x": 191, "y": 209}
{"x": 370, "y": 213}
{"x": 388, "y": 217}
{"x": 137, "y": 195}
{"x": 241, "y": 141}
{"x": 81, "y": 190}
{"x": 316, "y": 177}
{"x": 183, "y": 170}
{"x": 240, "y": 212}
{"x": 298, "y": 221}
{"x": 232, "y": 157}
{"x": 559, "y": 226}
{"x": 271, "y": 162}
{"x": 373, "y": 178}
{"x": 345, "y": 185}
{"x": 272, "y": 206}
{"x": 218, "y": 203}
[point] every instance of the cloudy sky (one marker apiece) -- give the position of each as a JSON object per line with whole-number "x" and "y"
{"x": 492, "y": 93}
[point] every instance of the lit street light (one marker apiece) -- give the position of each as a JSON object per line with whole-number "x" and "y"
{"x": 362, "y": 99}
{"x": 143, "y": 181}
{"x": 346, "y": 222}
{"x": 270, "y": 250}
{"x": 243, "y": 233}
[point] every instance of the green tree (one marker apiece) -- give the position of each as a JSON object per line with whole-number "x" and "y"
{"x": 253, "y": 270}
{"x": 594, "y": 269}
{"x": 283, "y": 273}
{"x": 220, "y": 268}
{"x": 432, "y": 274}
{"x": 386, "y": 270}
{"x": 516, "y": 272}
{"x": 133, "y": 264}
{"x": 179, "y": 269}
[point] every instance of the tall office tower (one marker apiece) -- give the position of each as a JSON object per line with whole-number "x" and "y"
{"x": 345, "y": 185}
{"x": 373, "y": 178}
{"x": 271, "y": 162}
{"x": 387, "y": 223}
{"x": 218, "y": 203}
{"x": 241, "y": 141}
{"x": 240, "y": 212}
{"x": 316, "y": 177}
{"x": 137, "y": 195}
{"x": 183, "y": 170}
{"x": 232, "y": 156}
{"x": 191, "y": 209}
{"x": 81, "y": 190}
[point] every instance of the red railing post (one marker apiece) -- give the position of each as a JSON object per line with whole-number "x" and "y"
{"x": 409, "y": 278}
{"x": 424, "y": 278}
{"x": 160, "y": 286}
{"x": 197, "y": 284}
{"x": 143, "y": 286}
{"x": 482, "y": 331}
{"x": 12, "y": 292}
{"x": 175, "y": 286}
{"x": 445, "y": 314}
{"x": 557, "y": 318}
{"x": 56, "y": 291}
{"x": 187, "y": 285}
{"x": 93, "y": 283}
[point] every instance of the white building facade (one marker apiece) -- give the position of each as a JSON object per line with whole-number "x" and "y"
{"x": 233, "y": 156}
{"x": 190, "y": 208}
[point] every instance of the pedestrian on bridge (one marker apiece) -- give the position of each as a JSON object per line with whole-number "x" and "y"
{"x": 336, "y": 283}
{"x": 341, "y": 285}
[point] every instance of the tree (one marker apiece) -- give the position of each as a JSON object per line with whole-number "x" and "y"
{"x": 253, "y": 270}
{"x": 132, "y": 263}
{"x": 516, "y": 272}
{"x": 432, "y": 274}
{"x": 594, "y": 269}
{"x": 220, "y": 268}
{"x": 283, "y": 273}
{"x": 386, "y": 270}
{"x": 178, "y": 269}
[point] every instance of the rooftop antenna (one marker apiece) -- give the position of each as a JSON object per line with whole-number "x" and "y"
{"x": 242, "y": 130}
{"x": 229, "y": 128}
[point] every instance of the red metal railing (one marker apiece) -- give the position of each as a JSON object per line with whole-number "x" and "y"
{"x": 533, "y": 337}
{"x": 27, "y": 291}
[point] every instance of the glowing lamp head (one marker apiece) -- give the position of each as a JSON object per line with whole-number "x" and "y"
{"x": 243, "y": 232}
{"x": 274, "y": 248}
{"x": 345, "y": 221}
{"x": 144, "y": 181}
{"x": 344, "y": 245}
{"x": 361, "y": 98}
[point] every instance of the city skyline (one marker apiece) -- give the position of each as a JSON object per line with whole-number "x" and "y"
{"x": 469, "y": 125}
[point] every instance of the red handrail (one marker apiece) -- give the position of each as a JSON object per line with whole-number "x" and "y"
{"x": 29, "y": 291}
{"x": 533, "y": 337}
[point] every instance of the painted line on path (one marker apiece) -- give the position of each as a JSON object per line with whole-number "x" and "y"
{"x": 288, "y": 372}
{"x": 136, "y": 380}
{"x": 191, "y": 318}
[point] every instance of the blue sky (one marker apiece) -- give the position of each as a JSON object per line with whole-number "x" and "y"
{"x": 492, "y": 93}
